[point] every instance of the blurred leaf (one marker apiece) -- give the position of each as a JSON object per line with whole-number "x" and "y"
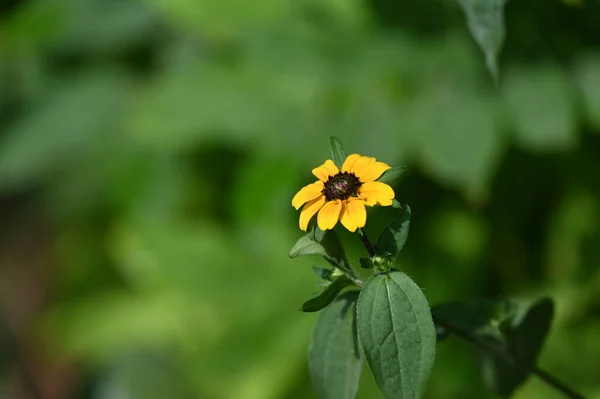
{"x": 393, "y": 174}
{"x": 35, "y": 24}
{"x": 99, "y": 324}
{"x": 142, "y": 374}
{"x": 182, "y": 108}
{"x": 485, "y": 19}
{"x": 78, "y": 117}
{"x": 392, "y": 239}
{"x": 307, "y": 246}
{"x": 587, "y": 73}
{"x": 335, "y": 358}
{"x": 457, "y": 133}
{"x": 478, "y": 318}
{"x": 396, "y": 204}
{"x": 524, "y": 341}
{"x": 322, "y": 273}
{"x": 338, "y": 154}
{"x": 222, "y": 18}
{"x": 397, "y": 334}
{"x": 327, "y": 296}
{"x": 540, "y": 104}
{"x": 96, "y": 26}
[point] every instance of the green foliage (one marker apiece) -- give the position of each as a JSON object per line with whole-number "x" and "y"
{"x": 338, "y": 154}
{"x": 523, "y": 340}
{"x": 152, "y": 148}
{"x": 391, "y": 175}
{"x": 485, "y": 19}
{"x": 392, "y": 239}
{"x": 397, "y": 334}
{"x": 327, "y": 295}
{"x": 335, "y": 358}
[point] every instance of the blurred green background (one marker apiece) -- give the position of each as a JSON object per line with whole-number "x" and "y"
{"x": 149, "y": 151}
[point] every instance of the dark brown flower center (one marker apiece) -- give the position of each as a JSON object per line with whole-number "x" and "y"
{"x": 341, "y": 186}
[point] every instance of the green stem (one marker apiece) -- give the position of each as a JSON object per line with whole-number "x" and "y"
{"x": 366, "y": 243}
{"x": 514, "y": 361}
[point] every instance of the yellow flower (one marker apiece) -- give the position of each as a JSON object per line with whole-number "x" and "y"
{"x": 343, "y": 195}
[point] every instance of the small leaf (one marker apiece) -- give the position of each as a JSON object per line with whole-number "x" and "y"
{"x": 396, "y": 204}
{"x": 392, "y": 174}
{"x": 334, "y": 357}
{"x": 337, "y": 152}
{"x": 485, "y": 19}
{"x": 307, "y": 246}
{"x": 524, "y": 341}
{"x": 318, "y": 233}
{"x": 392, "y": 239}
{"x": 366, "y": 263}
{"x": 327, "y": 296}
{"x": 322, "y": 273}
{"x": 397, "y": 334}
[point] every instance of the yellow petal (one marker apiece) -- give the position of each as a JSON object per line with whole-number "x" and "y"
{"x": 372, "y": 171}
{"x": 307, "y": 193}
{"x": 309, "y": 211}
{"x": 376, "y": 193}
{"x": 329, "y": 215}
{"x": 354, "y": 214}
{"x": 350, "y": 161}
{"x": 324, "y": 171}
{"x": 361, "y": 164}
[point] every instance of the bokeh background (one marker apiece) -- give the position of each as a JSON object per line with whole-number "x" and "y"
{"x": 149, "y": 151}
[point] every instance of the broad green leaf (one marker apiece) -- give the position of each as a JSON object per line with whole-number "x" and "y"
{"x": 327, "y": 296}
{"x": 338, "y": 154}
{"x": 392, "y": 239}
{"x": 541, "y": 107}
{"x": 524, "y": 341}
{"x": 485, "y": 19}
{"x": 392, "y": 174}
{"x": 397, "y": 334}
{"x": 322, "y": 273}
{"x": 335, "y": 358}
{"x": 307, "y": 246}
{"x": 587, "y": 73}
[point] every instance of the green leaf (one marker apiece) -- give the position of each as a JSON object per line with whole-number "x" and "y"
{"x": 392, "y": 174}
{"x": 485, "y": 19}
{"x": 524, "y": 341}
{"x": 392, "y": 239}
{"x": 327, "y": 296}
{"x": 322, "y": 273}
{"x": 338, "y": 154}
{"x": 334, "y": 358}
{"x": 397, "y": 334}
{"x": 307, "y": 246}
{"x": 396, "y": 204}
